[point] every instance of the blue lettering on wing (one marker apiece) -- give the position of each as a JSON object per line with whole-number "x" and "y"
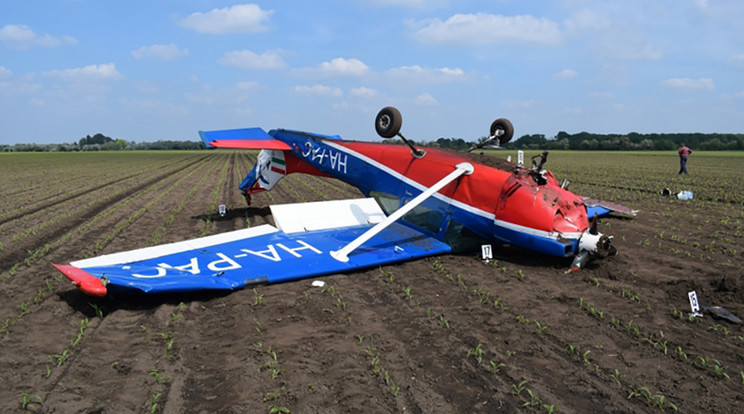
{"x": 222, "y": 262}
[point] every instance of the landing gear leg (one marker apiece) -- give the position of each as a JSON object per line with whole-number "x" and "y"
{"x": 247, "y": 197}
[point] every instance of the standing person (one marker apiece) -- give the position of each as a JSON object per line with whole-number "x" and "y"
{"x": 683, "y": 152}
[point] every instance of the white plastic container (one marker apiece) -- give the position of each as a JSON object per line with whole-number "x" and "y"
{"x": 684, "y": 195}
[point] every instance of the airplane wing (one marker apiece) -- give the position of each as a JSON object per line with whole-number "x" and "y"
{"x": 295, "y": 249}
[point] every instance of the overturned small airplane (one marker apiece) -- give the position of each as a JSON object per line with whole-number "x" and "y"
{"x": 419, "y": 203}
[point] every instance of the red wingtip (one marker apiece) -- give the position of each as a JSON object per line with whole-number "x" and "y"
{"x": 83, "y": 280}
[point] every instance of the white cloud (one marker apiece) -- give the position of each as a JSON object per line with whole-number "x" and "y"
{"x": 587, "y": 20}
{"x": 334, "y": 68}
{"x": 429, "y": 4}
{"x": 163, "y": 52}
{"x": 241, "y": 18}
{"x": 363, "y": 91}
{"x": 21, "y": 37}
{"x": 341, "y": 66}
{"x": 233, "y": 96}
{"x": 602, "y": 95}
{"x": 248, "y": 60}
{"x": 5, "y": 72}
{"x": 425, "y": 99}
{"x": 318, "y": 90}
{"x": 150, "y": 107}
{"x": 737, "y": 61}
{"x": 627, "y": 45}
{"x": 565, "y": 74}
{"x": 619, "y": 37}
{"x": 689, "y": 85}
{"x": 483, "y": 28}
{"x": 247, "y": 85}
{"x": 106, "y": 71}
{"x": 417, "y": 75}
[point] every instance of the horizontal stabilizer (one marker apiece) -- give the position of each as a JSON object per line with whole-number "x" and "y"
{"x": 244, "y": 138}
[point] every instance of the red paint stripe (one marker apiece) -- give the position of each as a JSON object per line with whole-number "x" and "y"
{"x": 276, "y": 170}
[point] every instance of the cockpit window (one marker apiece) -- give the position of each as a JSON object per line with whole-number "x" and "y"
{"x": 425, "y": 218}
{"x": 421, "y": 216}
{"x": 388, "y": 202}
{"x": 460, "y": 238}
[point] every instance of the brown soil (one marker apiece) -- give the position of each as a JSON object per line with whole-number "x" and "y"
{"x": 447, "y": 335}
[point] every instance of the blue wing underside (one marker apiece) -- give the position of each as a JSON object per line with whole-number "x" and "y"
{"x": 267, "y": 258}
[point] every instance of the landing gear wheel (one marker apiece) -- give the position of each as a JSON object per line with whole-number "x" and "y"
{"x": 388, "y": 122}
{"x": 504, "y": 125}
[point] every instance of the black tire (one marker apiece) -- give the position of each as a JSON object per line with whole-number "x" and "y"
{"x": 504, "y": 125}
{"x": 388, "y": 122}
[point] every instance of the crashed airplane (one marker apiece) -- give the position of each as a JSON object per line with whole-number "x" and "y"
{"x": 418, "y": 202}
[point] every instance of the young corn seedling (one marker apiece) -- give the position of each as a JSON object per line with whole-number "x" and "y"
{"x": 477, "y": 352}
{"x": 495, "y": 368}
{"x": 518, "y": 388}
{"x": 572, "y": 349}
{"x": 720, "y": 371}
{"x": 272, "y": 396}
{"x": 97, "y": 309}
{"x": 521, "y": 319}
{"x": 540, "y": 328}
{"x": 407, "y": 291}
{"x": 257, "y": 297}
{"x": 680, "y": 353}
{"x": 30, "y": 402}
{"x": 585, "y": 357}
{"x": 155, "y": 372}
{"x": 533, "y": 402}
{"x": 61, "y": 358}
{"x": 154, "y": 404}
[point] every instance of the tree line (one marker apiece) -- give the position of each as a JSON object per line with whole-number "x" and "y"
{"x": 562, "y": 141}
{"x": 631, "y": 142}
{"x": 604, "y": 142}
{"x": 100, "y": 142}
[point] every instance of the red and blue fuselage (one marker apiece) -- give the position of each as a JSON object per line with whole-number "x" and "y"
{"x": 512, "y": 205}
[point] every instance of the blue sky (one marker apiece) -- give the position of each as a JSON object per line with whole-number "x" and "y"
{"x": 149, "y": 70}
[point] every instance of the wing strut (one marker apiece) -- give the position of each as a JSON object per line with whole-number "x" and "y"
{"x": 342, "y": 255}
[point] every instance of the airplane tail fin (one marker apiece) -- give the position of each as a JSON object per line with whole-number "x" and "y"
{"x": 271, "y": 166}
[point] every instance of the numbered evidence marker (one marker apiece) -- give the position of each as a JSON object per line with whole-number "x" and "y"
{"x": 694, "y": 304}
{"x": 486, "y": 253}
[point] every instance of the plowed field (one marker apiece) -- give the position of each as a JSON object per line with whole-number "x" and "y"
{"x": 449, "y": 334}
